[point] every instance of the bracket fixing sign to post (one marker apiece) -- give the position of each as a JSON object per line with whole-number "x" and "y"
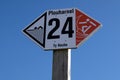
{"x": 61, "y": 28}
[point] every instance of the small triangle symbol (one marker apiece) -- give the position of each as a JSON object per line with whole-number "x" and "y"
{"x": 36, "y": 30}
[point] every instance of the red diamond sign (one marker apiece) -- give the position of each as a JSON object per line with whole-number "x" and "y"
{"x": 85, "y": 26}
{"x": 61, "y": 28}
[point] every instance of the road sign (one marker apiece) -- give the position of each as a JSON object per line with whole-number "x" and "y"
{"x": 61, "y": 29}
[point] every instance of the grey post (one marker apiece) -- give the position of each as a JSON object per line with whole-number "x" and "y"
{"x": 61, "y": 64}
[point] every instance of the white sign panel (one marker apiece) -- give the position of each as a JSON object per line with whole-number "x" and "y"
{"x": 61, "y": 29}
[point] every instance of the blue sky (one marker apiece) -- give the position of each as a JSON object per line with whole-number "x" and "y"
{"x": 21, "y": 59}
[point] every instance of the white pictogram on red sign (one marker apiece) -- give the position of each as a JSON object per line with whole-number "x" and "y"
{"x": 84, "y": 26}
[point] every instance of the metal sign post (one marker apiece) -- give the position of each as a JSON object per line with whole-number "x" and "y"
{"x": 61, "y": 64}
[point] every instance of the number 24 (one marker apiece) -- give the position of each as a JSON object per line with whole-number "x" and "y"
{"x": 70, "y": 30}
